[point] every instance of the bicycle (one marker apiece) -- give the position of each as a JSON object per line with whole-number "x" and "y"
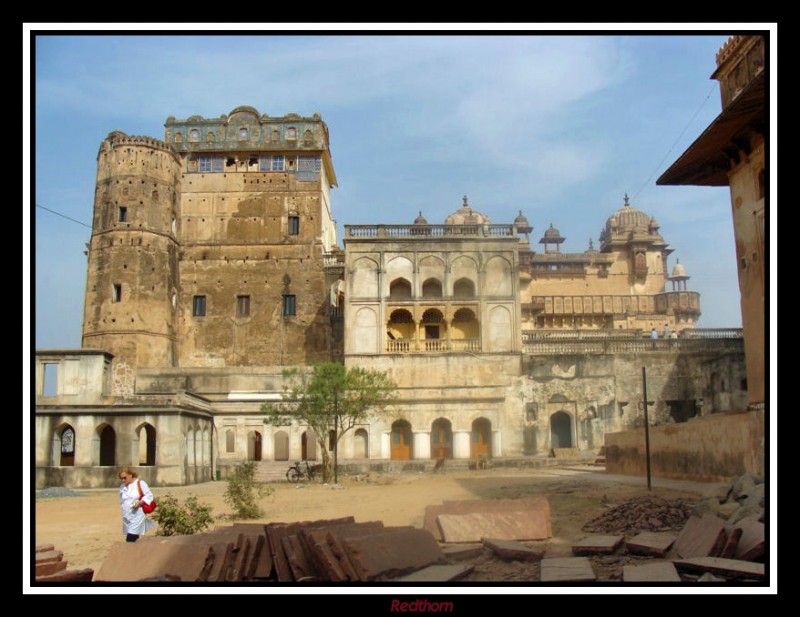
{"x": 297, "y": 473}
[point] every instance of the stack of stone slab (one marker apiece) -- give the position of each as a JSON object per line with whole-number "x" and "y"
{"x": 338, "y": 550}
{"x": 51, "y": 567}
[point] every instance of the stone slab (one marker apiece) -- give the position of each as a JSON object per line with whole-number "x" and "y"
{"x": 567, "y": 569}
{"x": 49, "y": 556}
{"x": 597, "y": 545}
{"x": 751, "y": 543}
{"x": 241, "y": 556}
{"x": 327, "y": 552}
{"x": 277, "y": 531}
{"x": 703, "y": 536}
{"x": 50, "y": 567}
{"x": 463, "y": 551}
{"x": 650, "y": 543}
{"x": 729, "y": 550}
{"x": 519, "y": 525}
{"x": 472, "y": 506}
{"x": 44, "y": 548}
{"x": 301, "y": 564}
{"x": 512, "y": 550}
{"x": 729, "y": 568}
{"x": 436, "y": 574}
{"x": 658, "y": 572}
{"x": 134, "y": 561}
{"x": 68, "y": 576}
{"x": 392, "y": 552}
{"x": 222, "y": 544}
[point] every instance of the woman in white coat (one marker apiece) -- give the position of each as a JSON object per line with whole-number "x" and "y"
{"x": 134, "y": 521}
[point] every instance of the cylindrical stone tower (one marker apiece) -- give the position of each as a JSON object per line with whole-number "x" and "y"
{"x": 133, "y": 275}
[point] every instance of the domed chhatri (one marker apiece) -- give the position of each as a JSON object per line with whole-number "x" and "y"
{"x": 420, "y": 220}
{"x": 465, "y": 215}
{"x": 679, "y": 277}
{"x": 552, "y": 236}
{"x": 628, "y": 218}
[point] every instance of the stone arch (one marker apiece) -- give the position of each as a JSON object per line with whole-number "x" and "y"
{"x": 464, "y": 325}
{"x": 401, "y": 325}
{"x": 500, "y": 335}
{"x": 365, "y": 332}
{"x": 254, "y": 446}
{"x": 361, "y": 444}
{"x": 402, "y": 444}
{"x": 63, "y": 453}
{"x": 432, "y": 327}
{"x": 561, "y": 430}
{"x": 308, "y": 445}
{"x": 431, "y": 267}
{"x": 481, "y": 438}
{"x": 497, "y": 279}
{"x": 364, "y": 282}
{"x": 281, "y": 444}
{"x": 442, "y": 439}
{"x": 105, "y": 446}
{"x": 145, "y": 445}
{"x": 464, "y": 267}
{"x": 432, "y": 288}
{"x": 400, "y": 289}
{"x": 399, "y": 267}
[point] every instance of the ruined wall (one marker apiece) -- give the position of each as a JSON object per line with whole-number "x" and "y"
{"x": 710, "y": 448}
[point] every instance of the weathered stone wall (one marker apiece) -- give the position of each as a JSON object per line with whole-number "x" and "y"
{"x": 710, "y": 448}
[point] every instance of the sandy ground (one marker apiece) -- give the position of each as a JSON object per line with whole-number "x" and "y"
{"x": 85, "y": 527}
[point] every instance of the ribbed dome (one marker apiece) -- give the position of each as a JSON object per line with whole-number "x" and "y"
{"x": 420, "y": 220}
{"x": 465, "y": 215}
{"x": 552, "y": 232}
{"x": 521, "y": 221}
{"x": 629, "y": 218}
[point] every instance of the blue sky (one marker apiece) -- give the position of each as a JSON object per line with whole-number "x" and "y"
{"x": 557, "y": 126}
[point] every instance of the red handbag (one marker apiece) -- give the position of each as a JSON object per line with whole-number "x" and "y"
{"x": 146, "y": 507}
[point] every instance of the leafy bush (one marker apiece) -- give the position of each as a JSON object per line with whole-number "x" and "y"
{"x": 243, "y": 491}
{"x": 176, "y": 519}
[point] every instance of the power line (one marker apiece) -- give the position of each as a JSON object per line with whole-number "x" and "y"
{"x": 688, "y": 124}
{"x": 63, "y": 216}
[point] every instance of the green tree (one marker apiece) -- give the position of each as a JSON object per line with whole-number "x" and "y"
{"x": 331, "y": 399}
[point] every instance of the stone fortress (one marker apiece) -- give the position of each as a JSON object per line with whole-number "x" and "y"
{"x": 214, "y": 264}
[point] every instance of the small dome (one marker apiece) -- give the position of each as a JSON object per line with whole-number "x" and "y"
{"x": 552, "y": 232}
{"x": 420, "y": 220}
{"x": 465, "y": 215}
{"x": 678, "y": 271}
{"x": 521, "y": 221}
{"x": 245, "y": 109}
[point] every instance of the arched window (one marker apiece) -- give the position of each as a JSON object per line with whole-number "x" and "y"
{"x": 210, "y": 137}
{"x": 400, "y": 289}
{"x": 230, "y": 441}
{"x": 65, "y": 442}
{"x": 361, "y": 443}
{"x": 107, "y": 446}
{"x": 253, "y": 446}
{"x": 433, "y": 326}
{"x": 432, "y": 288}
{"x": 178, "y": 138}
{"x": 464, "y": 325}
{"x": 442, "y": 439}
{"x": 481, "y": 439}
{"x": 464, "y": 288}
{"x": 308, "y": 135}
{"x": 401, "y": 448}
{"x": 146, "y": 436}
{"x": 194, "y": 135}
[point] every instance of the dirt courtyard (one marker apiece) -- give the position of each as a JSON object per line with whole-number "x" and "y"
{"x": 85, "y": 527}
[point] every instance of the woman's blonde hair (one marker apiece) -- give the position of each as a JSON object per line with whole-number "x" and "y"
{"x": 127, "y": 471}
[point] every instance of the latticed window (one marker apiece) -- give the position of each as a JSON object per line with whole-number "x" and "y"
{"x": 309, "y": 163}
{"x": 210, "y": 164}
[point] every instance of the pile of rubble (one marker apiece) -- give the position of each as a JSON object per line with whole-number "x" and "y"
{"x": 639, "y": 514}
{"x": 741, "y": 499}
